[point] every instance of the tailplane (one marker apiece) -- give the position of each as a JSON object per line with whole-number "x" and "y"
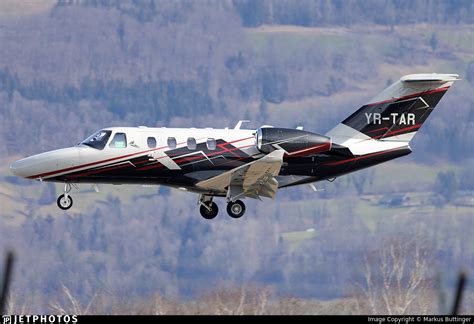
{"x": 392, "y": 118}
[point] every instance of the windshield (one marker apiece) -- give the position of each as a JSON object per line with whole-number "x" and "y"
{"x": 97, "y": 140}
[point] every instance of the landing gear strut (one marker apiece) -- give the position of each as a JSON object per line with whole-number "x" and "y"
{"x": 208, "y": 209}
{"x": 65, "y": 200}
{"x": 236, "y": 209}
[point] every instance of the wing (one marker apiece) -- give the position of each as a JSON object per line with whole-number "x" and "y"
{"x": 252, "y": 180}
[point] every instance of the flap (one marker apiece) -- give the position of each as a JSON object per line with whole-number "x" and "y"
{"x": 253, "y": 179}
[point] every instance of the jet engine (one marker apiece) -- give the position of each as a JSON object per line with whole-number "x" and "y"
{"x": 294, "y": 141}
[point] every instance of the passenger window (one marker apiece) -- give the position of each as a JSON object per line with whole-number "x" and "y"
{"x": 119, "y": 141}
{"x": 171, "y": 142}
{"x": 191, "y": 143}
{"x": 151, "y": 141}
{"x": 211, "y": 144}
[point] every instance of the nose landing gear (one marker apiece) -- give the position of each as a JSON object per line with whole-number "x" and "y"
{"x": 65, "y": 200}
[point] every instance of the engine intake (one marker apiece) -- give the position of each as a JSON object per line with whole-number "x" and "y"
{"x": 294, "y": 141}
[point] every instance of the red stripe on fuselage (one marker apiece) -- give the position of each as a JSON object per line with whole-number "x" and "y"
{"x": 124, "y": 156}
{"x": 216, "y": 153}
{"x": 41, "y": 175}
{"x": 310, "y": 150}
{"x": 98, "y": 171}
{"x": 147, "y": 167}
{"x": 90, "y": 164}
{"x": 223, "y": 146}
{"x": 192, "y": 158}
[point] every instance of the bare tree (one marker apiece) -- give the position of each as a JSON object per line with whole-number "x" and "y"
{"x": 72, "y": 305}
{"x": 244, "y": 300}
{"x": 395, "y": 280}
{"x": 13, "y": 306}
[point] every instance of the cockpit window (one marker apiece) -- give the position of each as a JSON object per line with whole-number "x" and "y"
{"x": 97, "y": 140}
{"x": 119, "y": 141}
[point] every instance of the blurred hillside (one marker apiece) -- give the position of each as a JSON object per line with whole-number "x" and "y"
{"x": 72, "y": 67}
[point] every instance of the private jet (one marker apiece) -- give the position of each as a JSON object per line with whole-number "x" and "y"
{"x": 244, "y": 163}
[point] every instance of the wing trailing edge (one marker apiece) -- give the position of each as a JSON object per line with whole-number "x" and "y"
{"x": 254, "y": 180}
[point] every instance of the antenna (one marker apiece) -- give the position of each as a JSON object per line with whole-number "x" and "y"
{"x": 239, "y": 124}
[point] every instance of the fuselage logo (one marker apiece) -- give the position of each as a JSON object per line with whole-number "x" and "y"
{"x": 394, "y": 118}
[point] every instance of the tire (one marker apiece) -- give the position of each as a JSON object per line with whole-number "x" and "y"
{"x": 236, "y": 209}
{"x": 209, "y": 214}
{"x": 63, "y": 202}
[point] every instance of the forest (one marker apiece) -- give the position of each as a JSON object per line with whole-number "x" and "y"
{"x": 73, "y": 67}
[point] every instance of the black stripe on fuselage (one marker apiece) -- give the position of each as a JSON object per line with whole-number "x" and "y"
{"x": 330, "y": 166}
{"x": 337, "y": 162}
{"x": 141, "y": 169}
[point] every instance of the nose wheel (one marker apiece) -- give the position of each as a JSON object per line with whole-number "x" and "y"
{"x": 236, "y": 209}
{"x": 65, "y": 200}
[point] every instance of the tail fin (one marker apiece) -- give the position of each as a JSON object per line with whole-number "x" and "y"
{"x": 392, "y": 118}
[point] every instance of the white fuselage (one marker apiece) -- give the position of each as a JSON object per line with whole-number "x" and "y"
{"x": 81, "y": 157}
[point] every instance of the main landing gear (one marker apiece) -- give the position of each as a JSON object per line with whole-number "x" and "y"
{"x": 236, "y": 209}
{"x": 209, "y": 209}
{"x": 65, "y": 200}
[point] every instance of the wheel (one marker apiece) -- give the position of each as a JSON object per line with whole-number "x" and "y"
{"x": 209, "y": 214}
{"x": 64, "y": 202}
{"x": 236, "y": 209}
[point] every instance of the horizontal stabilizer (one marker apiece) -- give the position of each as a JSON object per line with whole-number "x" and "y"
{"x": 432, "y": 77}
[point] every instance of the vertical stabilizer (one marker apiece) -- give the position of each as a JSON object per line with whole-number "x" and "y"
{"x": 392, "y": 118}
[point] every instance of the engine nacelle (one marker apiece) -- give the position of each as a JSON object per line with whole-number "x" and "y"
{"x": 294, "y": 141}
